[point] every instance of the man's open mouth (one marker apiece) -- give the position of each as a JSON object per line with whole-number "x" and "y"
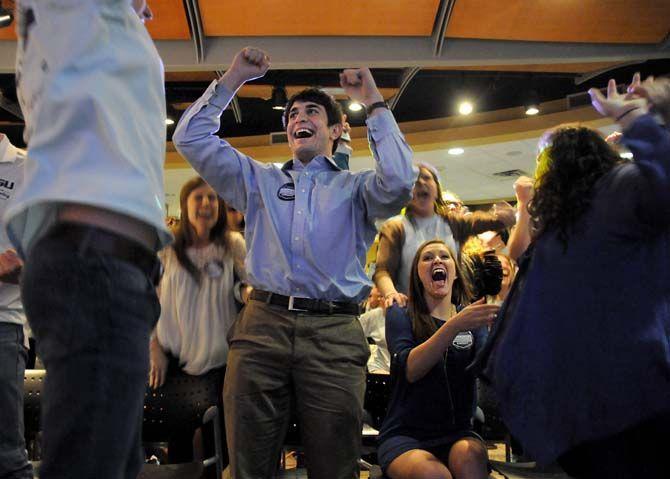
{"x": 303, "y": 133}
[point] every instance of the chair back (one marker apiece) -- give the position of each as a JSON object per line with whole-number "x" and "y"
{"x": 179, "y": 404}
{"x": 377, "y": 397}
{"x": 33, "y": 384}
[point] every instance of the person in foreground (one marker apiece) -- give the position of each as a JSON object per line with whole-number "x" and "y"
{"x": 580, "y": 361}
{"x": 428, "y": 432}
{"x": 308, "y": 227}
{"x": 88, "y": 222}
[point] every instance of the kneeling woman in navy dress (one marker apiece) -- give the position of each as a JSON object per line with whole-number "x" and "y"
{"x": 428, "y": 428}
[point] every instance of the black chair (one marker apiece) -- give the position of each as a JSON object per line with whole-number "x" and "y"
{"x": 377, "y": 397}
{"x": 183, "y": 403}
{"x": 32, "y": 396}
{"x": 527, "y": 470}
{"x": 488, "y": 421}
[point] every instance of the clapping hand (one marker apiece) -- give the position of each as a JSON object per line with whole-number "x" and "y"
{"x": 623, "y": 108}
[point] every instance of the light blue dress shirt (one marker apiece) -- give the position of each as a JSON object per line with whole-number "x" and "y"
{"x": 90, "y": 84}
{"x": 308, "y": 228}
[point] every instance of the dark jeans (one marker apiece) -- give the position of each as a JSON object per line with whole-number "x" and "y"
{"x": 637, "y": 452}
{"x": 91, "y": 315}
{"x": 13, "y": 456}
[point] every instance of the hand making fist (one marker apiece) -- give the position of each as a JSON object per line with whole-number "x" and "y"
{"x": 359, "y": 85}
{"x": 249, "y": 63}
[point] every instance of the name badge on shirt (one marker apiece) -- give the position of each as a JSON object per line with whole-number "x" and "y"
{"x": 214, "y": 269}
{"x": 463, "y": 340}
{"x": 286, "y": 192}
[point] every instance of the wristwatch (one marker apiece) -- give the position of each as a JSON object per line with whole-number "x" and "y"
{"x": 378, "y": 104}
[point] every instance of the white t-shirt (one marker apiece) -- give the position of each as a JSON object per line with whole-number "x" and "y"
{"x": 195, "y": 318}
{"x": 12, "y": 165}
{"x": 373, "y": 323}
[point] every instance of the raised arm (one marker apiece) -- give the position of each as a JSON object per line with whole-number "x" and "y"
{"x": 416, "y": 360}
{"x": 390, "y": 188}
{"x": 227, "y": 170}
{"x": 648, "y": 141}
{"x": 465, "y": 226}
{"x": 520, "y": 237}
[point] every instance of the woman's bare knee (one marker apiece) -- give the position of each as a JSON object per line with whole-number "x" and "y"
{"x": 468, "y": 459}
{"x": 418, "y": 464}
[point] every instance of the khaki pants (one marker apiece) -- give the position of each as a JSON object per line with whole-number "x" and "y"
{"x": 316, "y": 361}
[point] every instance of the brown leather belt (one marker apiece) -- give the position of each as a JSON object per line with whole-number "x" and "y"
{"x": 87, "y": 238}
{"x": 318, "y": 306}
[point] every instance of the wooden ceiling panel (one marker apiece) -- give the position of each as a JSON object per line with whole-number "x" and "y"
{"x": 8, "y": 33}
{"x": 310, "y": 18}
{"x": 580, "y": 21}
{"x": 170, "y": 21}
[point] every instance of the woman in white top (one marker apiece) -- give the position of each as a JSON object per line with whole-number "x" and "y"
{"x": 197, "y": 289}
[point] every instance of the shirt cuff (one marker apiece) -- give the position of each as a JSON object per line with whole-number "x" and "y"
{"x": 381, "y": 125}
{"x": 218, "y": 95}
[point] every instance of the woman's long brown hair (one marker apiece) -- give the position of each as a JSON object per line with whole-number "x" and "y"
{"x": 185, "y": 234}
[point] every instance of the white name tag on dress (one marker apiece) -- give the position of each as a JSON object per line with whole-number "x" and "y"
{"x": 463, "y": 340}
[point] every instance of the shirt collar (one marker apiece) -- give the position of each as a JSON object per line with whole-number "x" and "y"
{"x": 8, "y": 152}
{"x": 318, "y": 162}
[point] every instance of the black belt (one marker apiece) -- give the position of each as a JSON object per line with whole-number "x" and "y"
{"x": 293, "y": 303}
{"x": 88, "y": 238}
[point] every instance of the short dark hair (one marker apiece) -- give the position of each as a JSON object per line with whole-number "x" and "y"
{"x": 320, "y": 97}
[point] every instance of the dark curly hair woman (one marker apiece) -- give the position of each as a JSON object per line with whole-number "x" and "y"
{"x": 571, "y": 162}
{"x": 581, "y": 359}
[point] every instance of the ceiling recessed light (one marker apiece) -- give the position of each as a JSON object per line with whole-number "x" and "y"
{"x": 279, "y": 98}
{"x": 455, "y": 151}
{"x": 355, "y": 106}
{"x": 532, "y": 110}
{"x": 169, "y": 121}
{"x": 465, "y": 108}
{"x": 6, "y": 17}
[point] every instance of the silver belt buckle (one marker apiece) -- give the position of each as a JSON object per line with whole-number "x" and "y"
{"x": 290, "y": 304}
